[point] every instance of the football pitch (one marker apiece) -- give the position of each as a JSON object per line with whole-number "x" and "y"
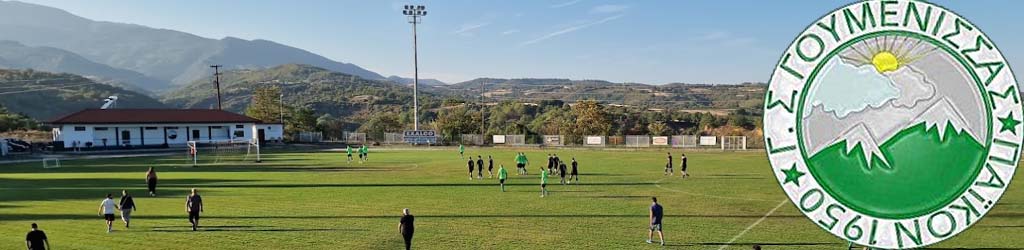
{"x": 316, "y": 200}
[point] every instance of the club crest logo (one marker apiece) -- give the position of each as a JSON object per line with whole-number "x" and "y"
{"x": 893, "y": 124}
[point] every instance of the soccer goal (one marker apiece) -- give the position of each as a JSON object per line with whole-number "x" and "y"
{"x": 221, "y": 151}
{"x": 51, "y": 163}
{"x": 638, "y": 141}
{"x": 684, "y": 141}
{"x": 355, "y": 138}
{"x": 734, "y": 143}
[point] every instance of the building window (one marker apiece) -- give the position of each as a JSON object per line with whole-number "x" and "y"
{"x": 150, "y": 128}
{"x": 79, "y": 128}
{"x": 239, "y": 126}
{"x": 216, "y": 127}
{"x": 239, "y": 133}
{"x": 100, "y": 128}
{"x": 171, "y": 127}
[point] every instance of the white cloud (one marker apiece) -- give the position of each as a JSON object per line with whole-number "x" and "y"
{"x": 565, "y": 4}
{"x": 509, "y": 32}
{"x": 467, "y": 28}
{"x": 570, "y": 30}
{"x": 608, "y": 9}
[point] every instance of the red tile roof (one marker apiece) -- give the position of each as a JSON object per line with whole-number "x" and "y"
{"x": 122, "y": 116}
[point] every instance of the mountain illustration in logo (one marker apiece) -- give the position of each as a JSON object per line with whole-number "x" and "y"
{"x": 865, "y": 103}
{"x": 913, "y": 117}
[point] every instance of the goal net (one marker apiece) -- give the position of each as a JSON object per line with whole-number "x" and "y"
{"x": 394, "y": 138}
{"x": 51, "y": 163}
{"x": 472, "y": 139}
{"x": 515, "y": 140}
{"x": 734, "y": 143}
{"x": 355, "y": 138}
{"x": 684, "y": 141}
{"x": 223, "y": 151}
{"x": 638, "y": 141}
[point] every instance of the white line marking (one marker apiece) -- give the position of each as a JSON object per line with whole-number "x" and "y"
{"x": 734, "y": 238}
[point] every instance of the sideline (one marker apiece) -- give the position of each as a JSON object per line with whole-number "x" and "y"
{"x": 734, "y": 238}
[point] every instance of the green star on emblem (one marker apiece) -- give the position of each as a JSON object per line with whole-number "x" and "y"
{"x": 793, "y": 175}
{"x": 1009, "y": 123}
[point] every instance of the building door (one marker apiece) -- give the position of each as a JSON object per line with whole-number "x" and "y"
{"x": 126, "y": 137}
{"x": 261, "y": 136}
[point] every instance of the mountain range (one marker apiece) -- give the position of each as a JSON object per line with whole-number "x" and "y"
{"x": 14, "y": 55}
{"x": 669, "y": 96}
{"x": 146, "y": 63}
{"x": 44, "y": 95}
{"x": 171, "y": 57}
{"x": 327, "y": 92}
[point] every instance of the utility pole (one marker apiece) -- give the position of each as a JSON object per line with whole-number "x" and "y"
{"x": 415, "y": 12}
{"x": 280, "y": 106}
{"x": 216, "y": 82}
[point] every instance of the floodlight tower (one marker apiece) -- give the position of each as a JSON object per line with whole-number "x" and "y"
{"x": 415, "y": 12}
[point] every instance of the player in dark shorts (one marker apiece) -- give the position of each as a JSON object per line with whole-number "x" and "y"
{"x": 502, "y": 175}
{"x": 556, "y": 161}
{"x": 561, "y": 172}
{"x": 668, "y": 166}
{"x": 36, "y": 239}
{"x": 682, "y": 167}
{"x": 470, "y": 164}
{"x": 521, "y": 163}
{"x": 490, "y": 167}
{"x": 348, "y": 151}
{"x": 479, "y": 167}
{"x": 574, "y": 175}
{"x": 406, "y": 227}
{"x": 543, "y": 183}
{"x": 656, "y": 213}
{"x": 551, "y": 163}
{"x": 151, "y": 181}
{"x": 194, "y": 206}
{"x": 107, "y": 208}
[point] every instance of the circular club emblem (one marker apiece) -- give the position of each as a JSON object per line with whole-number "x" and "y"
{"x": 893, "y": 124}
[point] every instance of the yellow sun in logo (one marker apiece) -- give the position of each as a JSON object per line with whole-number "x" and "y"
{"x": 885, "y": 61}
{"x": 888, "y": 53}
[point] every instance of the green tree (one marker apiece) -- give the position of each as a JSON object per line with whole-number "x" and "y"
{"x": 266, "y": 104}
{"x": 380, "y": 123}
{"x": 304, "y": 119}
{"x": 657, "y": 128}
{"x": 590, "y": 120}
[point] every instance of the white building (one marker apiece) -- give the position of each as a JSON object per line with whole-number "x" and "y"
{"x": 155, "y": 128}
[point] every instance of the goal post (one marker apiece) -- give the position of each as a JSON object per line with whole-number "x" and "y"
{"x": 51, "y": 162}
{"x": 253, "y": 147}
{"x": 734, "y": 143}
{"x": 193, "y": 152}
{"x": 217, "y": 151}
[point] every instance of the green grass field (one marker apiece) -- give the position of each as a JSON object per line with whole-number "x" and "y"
{"x": 318, "y": 201}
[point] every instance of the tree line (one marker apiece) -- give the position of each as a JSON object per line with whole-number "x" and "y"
{"x": 454, "y": 117}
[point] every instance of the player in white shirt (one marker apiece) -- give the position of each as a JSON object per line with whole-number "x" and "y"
{"x": 108, "y": 208}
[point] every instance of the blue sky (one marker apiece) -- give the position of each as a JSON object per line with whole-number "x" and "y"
{"x": 623, "y": 41}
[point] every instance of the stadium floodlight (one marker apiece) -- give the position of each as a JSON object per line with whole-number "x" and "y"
{"x": 415, "y": 12}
